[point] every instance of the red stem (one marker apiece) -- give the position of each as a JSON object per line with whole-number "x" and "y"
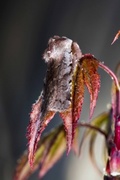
{"x": 113, "y": 76}
{"x": 94, "y": 128}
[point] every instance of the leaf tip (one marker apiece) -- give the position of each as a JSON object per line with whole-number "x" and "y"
{"x": 116, "y": 37}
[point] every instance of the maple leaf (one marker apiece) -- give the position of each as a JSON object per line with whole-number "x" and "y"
{"x": 52, "y": 146}
{"x": 50, "y": 149}
{"x": 68, "y": 71}
{"x": 36, "y": 127}
{"x": 89, "y": 66}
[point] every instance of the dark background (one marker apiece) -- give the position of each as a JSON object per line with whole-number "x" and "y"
{"x": 26, "y": 27}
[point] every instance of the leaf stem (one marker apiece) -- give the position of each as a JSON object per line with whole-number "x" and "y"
{"x": 113, "y": 76}
{"x": 93, "y": 127}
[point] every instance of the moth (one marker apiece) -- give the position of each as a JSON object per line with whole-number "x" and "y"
{"x": 63, "y": 90}
{"x": 61, "y": 57}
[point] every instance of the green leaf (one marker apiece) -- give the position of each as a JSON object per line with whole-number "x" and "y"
{"x": 50, "y": 148}
{"x": 99, "y": 124}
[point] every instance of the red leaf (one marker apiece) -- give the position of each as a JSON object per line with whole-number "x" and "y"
{"x": 91, "y": 78}
{"x": 72, "y": 115}
{"x": 78, "y": 97}
{"x": 67, "y": 119}
{"x": 33, "y": 128}
{"x": 36, "y": 126}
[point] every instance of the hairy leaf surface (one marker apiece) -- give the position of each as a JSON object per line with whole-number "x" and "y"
{"x": 91, "y": 78}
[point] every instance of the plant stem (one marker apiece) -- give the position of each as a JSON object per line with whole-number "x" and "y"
{"x": 113, "y": 76}
{"x": 93, "y": 127}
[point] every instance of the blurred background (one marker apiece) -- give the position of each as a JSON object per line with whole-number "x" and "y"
{"x": 26, "y": 27}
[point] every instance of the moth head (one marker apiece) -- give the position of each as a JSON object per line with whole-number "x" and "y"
{"x": 57, "y": 47}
